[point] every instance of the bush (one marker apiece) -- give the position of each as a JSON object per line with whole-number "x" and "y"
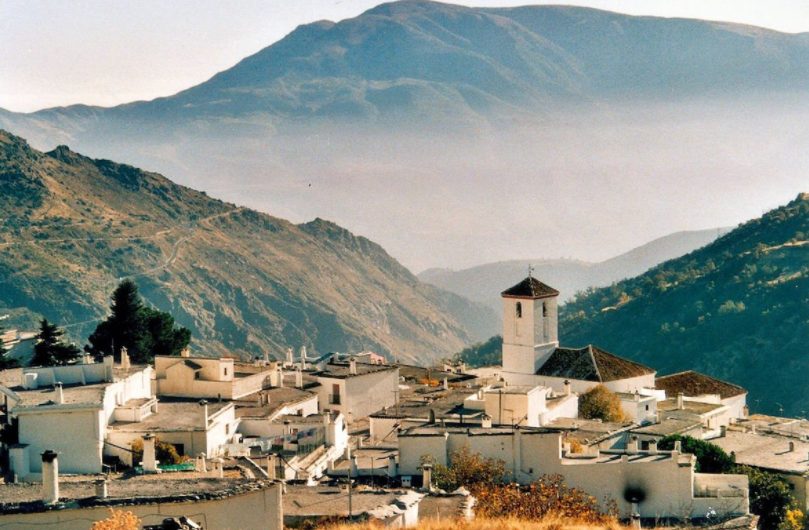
{"x": 165, "y": 453}
{"x": 467, "y": 469}
{"x": 599, "y": 403}
{"x": 118, "y": 520}
{"x": 710, "y": 458}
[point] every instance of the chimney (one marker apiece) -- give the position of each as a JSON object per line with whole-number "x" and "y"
{"x": 59, "y": 399}
{"x": 186, "y": 352}
{"x": 149, "y": 457}
{"x": 50, "y": 477}
{"x": 653, "y": 447}
{"x": 266, "y": 357}
{"x": 446, "y": 384}
{"x": 392, "y": 466}
{"x": 280, "y": 376}
{"x": 486, "y": 421}
{"x": 101, "y": 488}
{"x": 680, "y": 403}
{"x": 354, "y": 467}
{"x": 637, "y": 396}
{"x": 632, "y": 446}
{"x": 568, "y": 389}
{"x": 271, "y": 466}
{"x": 260, "y": 398}
{"x": 87, "y": 358}
{"x": 298, "y": 378}
{"x": 427, "y": 476}
{"x": 352, "y": 366}
{"x": 204, "y": 405}
{"x": 303, "y": 357}
{"x": 723, "y": 431}
{"x": 289, "y": 356}
{"x": 125, "y": 364}
{"x": 678, "y": 447}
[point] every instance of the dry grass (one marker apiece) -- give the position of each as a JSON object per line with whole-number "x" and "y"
{"x": 489, "y": 524}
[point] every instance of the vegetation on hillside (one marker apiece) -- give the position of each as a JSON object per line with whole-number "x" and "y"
{"x": 241, "y": 281}
{"x": 488, "y": 353}
{"x": 737, "y": 309}
{"x": 5, "y": 361}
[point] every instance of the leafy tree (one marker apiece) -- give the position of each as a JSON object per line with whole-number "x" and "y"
{"x": 144, "y": 331}
{"x": 50, "y": 350}
{"x": 710, "y": 457}
{"x": 468, "y": 469}
{"x": 6, "y": 362}
{"x": 165, "y": 453}
{"x": 770, "y": 497}
{"x": 599, "y": 403}
{"x": 489, "y": 353}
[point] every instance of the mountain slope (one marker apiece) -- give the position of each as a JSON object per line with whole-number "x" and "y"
{"x": 244, "y": 282}
{"x": 737, "y": 309}
{"x": 484, "y": 283}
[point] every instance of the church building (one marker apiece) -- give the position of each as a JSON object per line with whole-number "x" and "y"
{"x": 532, "y": 355}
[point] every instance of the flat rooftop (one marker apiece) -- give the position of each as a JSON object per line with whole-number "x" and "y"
{"x": 770, "y": 451}
{"x": 173, "y": 415}
{"x": 589, "y": 431}
{"x": 669, "y": 406}
{"x": 341, "y": 370}
{"x": 279, "y": 397}
{"x": 126, "y": 489}
{"x": 418, "y": 401}
{"x": 303, "y": 501}
{"x": 616, "y": 457}
{"x": 668, "y": 426}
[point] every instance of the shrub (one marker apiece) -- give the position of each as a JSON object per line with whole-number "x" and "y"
{"x": 118, "y": 520}
{"x": 164, "y": 452}
{"x": 710, "y": 457}
{"x": 599, "y": 403}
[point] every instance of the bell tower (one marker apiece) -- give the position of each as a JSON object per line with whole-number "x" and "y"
{"x": 530, "y": 325}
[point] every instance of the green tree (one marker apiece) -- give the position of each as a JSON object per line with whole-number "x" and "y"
{"x": 144, "y": 331}
{"x": 6, "y": 362}
{"x": 710, "y": 457}
{"x": 599, "y": 403}
{"x": 769, "y": 496}
{"x": 467, "y": 469}
{"x": 50, "y": 350}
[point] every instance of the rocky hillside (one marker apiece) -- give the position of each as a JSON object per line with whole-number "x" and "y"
{"x": 737, "y": 309}
{"x": 242, "y": 281}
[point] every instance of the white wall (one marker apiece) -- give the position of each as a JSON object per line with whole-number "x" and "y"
{"x": 73, "y": 434}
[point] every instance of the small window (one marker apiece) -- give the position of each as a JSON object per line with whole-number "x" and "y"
{"x": 544, "y": 309}
{"x": 519, "y": 309}
{"x": 196, "y": 375}
{"x": 227, "y": 428}
{"x": 226, "y": 371}
{"x": 647, "y": 407}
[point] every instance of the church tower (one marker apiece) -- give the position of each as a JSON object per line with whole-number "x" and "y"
{"x": 529, "y": 325}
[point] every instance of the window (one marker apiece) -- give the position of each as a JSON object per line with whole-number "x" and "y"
{"x": 544, "y": 310}
{"x": 647, "y": 407}
{"x": 227, "y": 428}
{"x": 519, "y": 309}
{"x": 226, "y": 371}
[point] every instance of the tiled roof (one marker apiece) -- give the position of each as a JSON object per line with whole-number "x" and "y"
{"x": 693, "y": 383}
{"x": 530, "y": 288}
{"x": 591, "y": 364}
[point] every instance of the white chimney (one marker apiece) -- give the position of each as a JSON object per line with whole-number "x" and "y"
{"x": 568, "y": 388}
{"x": 653, "y": 447}
{"x": 289, "y": 356}
{"x": 280, "y": 376}
{"x": 680, "y": 401}
{"x": 266, "y": 357}
{"x": 427, "y": 476}
{"x": 298, "y": 378}
{"x": 149, "y": 456}
{"x": 185, "y": 353}
{"x": 352, "y": 366}
{"x": 271, "y": 466}
{"x": 29, "y": 380}
{"x": 204, "y": 405}
{"x": 354, "y": 467}
{"x": 50, "y": 477}
{"x": 392, "y": 466}
{"x": 101, "y": 488}
{"x": 446, "y": 384}
{"x": 632, "y": 446}
{"x": 303, "y": 357}
{"x": 59, "y": 398}
{"x": 486, "y": 421}
{"x": 125, "y": 364}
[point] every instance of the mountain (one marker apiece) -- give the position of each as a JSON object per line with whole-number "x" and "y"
{"x": 484, "y": 283}
{"x": 242, "y": 281}
{"x": 398, "y": 124}
{"x": 737, "y": 309}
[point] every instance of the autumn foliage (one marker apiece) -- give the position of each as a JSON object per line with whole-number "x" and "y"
{"x": 118, "y": 520}
{"x": 599, "y": 403}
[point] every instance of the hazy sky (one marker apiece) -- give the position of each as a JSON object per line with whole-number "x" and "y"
{"x": 106, "y": 52}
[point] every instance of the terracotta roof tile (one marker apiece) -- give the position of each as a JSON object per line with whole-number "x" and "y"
{"x": 692, "y": 383}
{"x": 591, "y": 364}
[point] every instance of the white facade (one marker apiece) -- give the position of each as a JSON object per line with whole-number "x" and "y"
{"x": 358, "y": 396}
{"x": 205, "y": 377}
{"x": 668, "y": 480}
{"x": 529, "y": 332}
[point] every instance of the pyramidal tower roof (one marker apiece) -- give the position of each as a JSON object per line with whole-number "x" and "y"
{"x": 530, "y": 288}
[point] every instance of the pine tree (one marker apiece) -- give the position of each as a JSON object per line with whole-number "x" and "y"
{"x": 49, "y": 349}
{"x": 144, "y": 331}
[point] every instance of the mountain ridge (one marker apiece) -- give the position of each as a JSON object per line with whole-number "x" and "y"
{"x": 243, "y": 281}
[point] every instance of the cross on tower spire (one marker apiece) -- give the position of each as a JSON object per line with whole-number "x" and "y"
{"x": 530, "y": 271}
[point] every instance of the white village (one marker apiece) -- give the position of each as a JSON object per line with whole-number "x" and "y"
{"x": 356, "y": 436}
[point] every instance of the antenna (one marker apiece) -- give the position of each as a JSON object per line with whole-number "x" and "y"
{"x": 530, "y": 271}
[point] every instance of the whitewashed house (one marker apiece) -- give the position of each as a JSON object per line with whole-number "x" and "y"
{"x": 356, "y": 389}
{"x": 695, "y": 386}
{"x": 212, "y": 378}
